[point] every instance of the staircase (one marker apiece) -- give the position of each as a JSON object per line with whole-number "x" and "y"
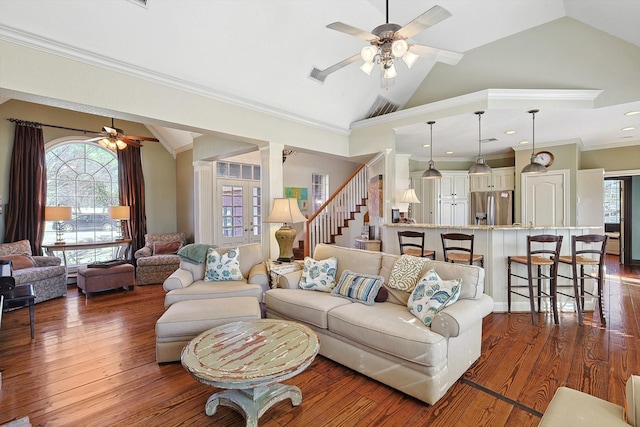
{"x": 334, "y": 215}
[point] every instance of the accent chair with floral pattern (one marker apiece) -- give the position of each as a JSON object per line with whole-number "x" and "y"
{"x": 158, "y": 258}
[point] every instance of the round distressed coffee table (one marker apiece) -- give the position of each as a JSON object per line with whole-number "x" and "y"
{"x": 249, "y": 359}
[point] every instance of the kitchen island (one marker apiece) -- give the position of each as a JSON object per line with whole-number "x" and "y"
{"x": 495, "y": 242}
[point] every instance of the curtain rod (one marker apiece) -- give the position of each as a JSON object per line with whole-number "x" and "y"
{"x": 36, "y": 124}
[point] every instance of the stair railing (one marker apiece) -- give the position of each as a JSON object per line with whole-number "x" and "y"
{"x": 325, "y": 223}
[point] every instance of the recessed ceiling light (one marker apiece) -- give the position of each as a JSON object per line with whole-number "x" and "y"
{"x": 632, "y": 113}
{"x": 629, "y": 128}
{"x": 510, "y": 132}
{"x": 449, "y": 152}
{"x": 425, "y": 145}
{"x": 524, "y": 142}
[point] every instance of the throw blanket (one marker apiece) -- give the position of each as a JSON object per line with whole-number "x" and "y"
{"x": 195, "y": 253}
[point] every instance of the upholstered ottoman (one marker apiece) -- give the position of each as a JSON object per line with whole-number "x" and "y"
{"x": 185, "y": 320}
{"x": 100, "y": 279}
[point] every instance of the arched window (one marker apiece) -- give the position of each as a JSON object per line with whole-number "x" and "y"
{"x": 84, "y": 176}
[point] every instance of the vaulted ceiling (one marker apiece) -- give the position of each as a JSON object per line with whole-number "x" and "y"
{"x": 259, "y": 53}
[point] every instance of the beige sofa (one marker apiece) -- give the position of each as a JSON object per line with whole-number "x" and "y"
{"x": 572, "y": 408}
{"x": 48, "y": 277}
{"x": 385, "y": 341}
{"x": 187, "y": 283}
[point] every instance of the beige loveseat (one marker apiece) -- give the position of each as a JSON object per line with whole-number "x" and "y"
{"x": 48, "y": 277}
{"x": 385, "y": 341}
{"x": 187, "y": 282}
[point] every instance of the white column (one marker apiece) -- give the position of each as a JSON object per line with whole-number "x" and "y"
{"x": 403, "y": 180}
{"x": 272, "y": 187}
{"x": 204, "y": 196}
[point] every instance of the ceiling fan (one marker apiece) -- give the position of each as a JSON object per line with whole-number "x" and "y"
{"x": 114, "y": 138}
{"x": 388, "y": 42}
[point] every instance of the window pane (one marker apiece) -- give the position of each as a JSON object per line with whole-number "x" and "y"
{"x": 85, "y": 177}
{"x": 247, "y": 171}
{"x": 234, "y": 170}
{"x": 256, "y": 173}
{"x": 612, "y": 201}
{"x": 222, "y": 169}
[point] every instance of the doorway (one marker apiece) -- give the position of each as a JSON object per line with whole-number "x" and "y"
{"x": 240, "y": 220}
{"x": 617, "y": 220}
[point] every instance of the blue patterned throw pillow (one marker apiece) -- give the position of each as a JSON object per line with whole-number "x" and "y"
{"x": 358, "y": 287}
{"x": 319, "y": 275}
{"x": 223, "y": 267}
{"x": 431, "y": 295}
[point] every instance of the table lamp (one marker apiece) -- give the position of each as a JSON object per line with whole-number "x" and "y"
{"x": 119, "y": 213}
{"x": 287, "y": 212}
{"x": 58, "y": 214}
{"x": 409, "y": 196}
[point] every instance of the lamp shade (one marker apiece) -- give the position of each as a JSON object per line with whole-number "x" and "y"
{"x": 57, "y": 213}
{"x": 286, "y": 211}
{"x": 119, "y": 212}
{"x": 409, "y": 196}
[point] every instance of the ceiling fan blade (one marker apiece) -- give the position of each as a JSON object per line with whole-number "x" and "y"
{"x": 93, "y": 139}
{"x": 131, "y": 142}
{"x": 353, "y": 31}
{"x": 424, "y": 21}
{"x": 140, "y": 138}
{"x": 440, "y": 55}
{"x": 321, "y": 75}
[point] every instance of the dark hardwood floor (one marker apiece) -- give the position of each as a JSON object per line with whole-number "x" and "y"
{"x": 93, "y": 364}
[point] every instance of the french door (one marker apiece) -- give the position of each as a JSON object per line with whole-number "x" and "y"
{"x": 240, "y": 212}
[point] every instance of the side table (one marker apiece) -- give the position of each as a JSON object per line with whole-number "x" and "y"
{"x": 22, "y": 296}
{"x": 277, "y": 269}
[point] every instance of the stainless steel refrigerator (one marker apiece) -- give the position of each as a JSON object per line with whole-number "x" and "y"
{"x": 491, "y": 208}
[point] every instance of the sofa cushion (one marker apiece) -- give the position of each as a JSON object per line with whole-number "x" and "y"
{"x": 431, "y": 295}
{"x": 365, "y": 262}
{"x": 319, "y": 275}
{"x": 166, "y": 248}
{"x": 156, "y": 260}
{"x": 391, "y": 329}
{"x": 203, "y": 290}
{"x": 406, "y": 272}
{"x": 472, "y": 277}
{"x": 358, "y": 287}
{"x": 302, "y": 305}
{"x": 222, "y": 267}
{"x": 19, "y": 261}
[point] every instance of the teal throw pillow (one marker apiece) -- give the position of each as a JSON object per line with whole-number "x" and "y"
{"x": 357, "y": 287}
{"x": 319, "y": 275}
{"x": 223, "y": 267}
{"x": 431, "y": 295}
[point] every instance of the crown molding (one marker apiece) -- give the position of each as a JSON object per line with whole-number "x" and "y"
{"x": 46, "y": 45}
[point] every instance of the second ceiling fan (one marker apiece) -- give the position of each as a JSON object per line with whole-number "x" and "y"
{"x": 388, "y": 42}
{"x": 114, "y": 138}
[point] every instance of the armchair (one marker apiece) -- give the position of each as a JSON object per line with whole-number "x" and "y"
{"x": 48, "y": 277}
{"x": 157, "y": 259}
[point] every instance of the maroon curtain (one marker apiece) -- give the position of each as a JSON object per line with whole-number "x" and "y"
{"x": 24, "y": 218}
{"x": 131, "y": 186}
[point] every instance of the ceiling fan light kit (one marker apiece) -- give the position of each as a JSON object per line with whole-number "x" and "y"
{"x": 534, "y": 166}
{"x": 479, "y": 167}
{"x": 431, "y": 172}
{"x": 387, "y": 43}
{"x": 114, "y": 139}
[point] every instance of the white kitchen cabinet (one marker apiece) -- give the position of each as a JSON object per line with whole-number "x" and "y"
{"x": 454, "y": 212}
{"x": 454, "y": 184}
{"x": 500, "y": 179}
{"x": 454, "y": 198}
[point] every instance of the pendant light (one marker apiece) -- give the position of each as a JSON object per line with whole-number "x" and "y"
{"x": 533, "y": 166}
{"x": 432, "y": 172}
{"x": 479, "y": 167}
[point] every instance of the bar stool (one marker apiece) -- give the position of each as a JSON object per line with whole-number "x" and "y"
{"x": 535, "y": 258}
{"x": 411, "y": 247}
{"x": 467, "y": 257}
{"x": 576, "y": 259}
